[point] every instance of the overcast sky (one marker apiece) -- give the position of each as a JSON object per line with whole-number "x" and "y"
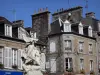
{"x": 25, "y": 8}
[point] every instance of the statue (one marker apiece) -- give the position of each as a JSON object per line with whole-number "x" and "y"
{"x": 31, "y": 56}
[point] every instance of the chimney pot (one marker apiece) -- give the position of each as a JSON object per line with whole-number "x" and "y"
{"x": 90, "y": 14}
{"x": 40, "y": 9}
{"x": 57, "y": 10}
{"x": 62, "y": 9}
{"x": 46, "y": 8}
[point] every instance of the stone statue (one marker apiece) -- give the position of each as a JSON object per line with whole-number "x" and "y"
{"x": 31, "y": 56}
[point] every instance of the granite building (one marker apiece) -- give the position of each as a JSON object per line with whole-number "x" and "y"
{"x": 11, "y": 46}
{"x": 73, "y": 42}
{"x": 71, "y": 47}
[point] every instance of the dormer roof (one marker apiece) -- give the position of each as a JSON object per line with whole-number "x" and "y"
{"x": 4, "y": 20}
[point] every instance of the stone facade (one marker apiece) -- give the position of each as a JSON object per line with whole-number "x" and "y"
{"x": 60, "y": 53}
{"x": 40, "y": 25}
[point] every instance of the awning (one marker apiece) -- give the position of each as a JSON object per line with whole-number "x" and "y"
{"x": 5, "y": 72}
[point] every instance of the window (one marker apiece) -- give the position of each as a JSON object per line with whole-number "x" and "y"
{"x": 68, "y": 45}
{"x": 81, "y": 64}
{"x": 47, "y": 65}
{"x": 90, "y": 31}
{"x": 67, "y": 27}
{"x": 90, "y": 48}
{"x": 68, "y": 63}
{"x": 8, "y": 30}
{"x": 14, "y": 58}
{"x": 91, "y": 65}
{"x": 81, "y": 46}
{"x": 7, "y": 57}
{"x": 53, "y": 65}
{"x": 80, "y": 28}
{"x": 52, "y": 47}
{"x": 1, "y": 54}
{"x": 19, "y": 59}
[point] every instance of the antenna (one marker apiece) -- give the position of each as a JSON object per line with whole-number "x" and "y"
{"x": 68, "y": 4}
{"x": 86, "y": 6}
{"x": 14, "y": 12}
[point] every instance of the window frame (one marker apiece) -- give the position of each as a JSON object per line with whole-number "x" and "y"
{"x": 81, "y": 63}
{"x": 81, "y": 48}
{"x": 52, "y": 46}
{"x": 68, "y": 43}
{"x": 70, "y": 64}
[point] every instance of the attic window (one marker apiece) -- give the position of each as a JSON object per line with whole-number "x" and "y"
{"x": 8, "y": 30}
{"x": 90, "y": 31}
{"x": 80, "y": 28}
{"x": 67, "y": 26}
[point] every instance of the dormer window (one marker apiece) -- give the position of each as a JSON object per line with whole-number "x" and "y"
{"x": 80, "y": 28}
{"x": 67, "y": 26}
{"x": 8, "y": 30}
{"x": 90, "y": 31}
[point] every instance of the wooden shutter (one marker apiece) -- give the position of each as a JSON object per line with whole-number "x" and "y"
{"x": 6, "y": 57}
{"x": 10, "y": 57}
{"x": 19, "y": 59}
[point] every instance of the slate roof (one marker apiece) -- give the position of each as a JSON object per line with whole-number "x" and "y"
{"x": 55, "y": 27}
{"x": 68, "y": 10}
{"x": 90, "y": 21}
{"x": 4, "y": 20}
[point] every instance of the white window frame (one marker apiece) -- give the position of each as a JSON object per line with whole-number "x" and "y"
{"x": 81, "y": 63}
{"x": 7, "y": 57}
{"x": 70, "y": 64}
{"x": 67, "y": 27}
{"x": 68, "y": 45}
{"x": 80, "y": 28}
{"x": 8, "y": 30}
{"x": 90, "y": 48}
{"x": 81, "y": 46}
{"x": 90, "y": 31}
{"x": 52, "y": 46}
{"x": 53, "y": 65}
{"x": 91, "y": 65}
{"x": 15, "y": 51}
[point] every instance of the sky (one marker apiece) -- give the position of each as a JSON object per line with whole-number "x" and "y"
{"x": 25, "y": 8}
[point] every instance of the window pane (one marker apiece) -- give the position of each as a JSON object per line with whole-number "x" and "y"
{"x": 53, "y": 65}
{"x": 68, "y": 45}
{"x": 81, "y": 46}
{"x": 52, "y": 47}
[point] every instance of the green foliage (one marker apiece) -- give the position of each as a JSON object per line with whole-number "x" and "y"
{"x": 92, "y": 72}
{"x": 70, "y": 70}
{"x": 82, "y": 71}
{"x": 14, "y": 66}
{"x": 1, "y": 66}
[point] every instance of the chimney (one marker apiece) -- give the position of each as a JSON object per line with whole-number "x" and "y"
{"x": 90, "y": 14}
{"x": 40, "y": 23}
{"x": 18, "y": 22}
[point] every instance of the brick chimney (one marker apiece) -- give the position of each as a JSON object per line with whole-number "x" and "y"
{"x": 40, "y": 23}
{"x": 90, "y": 14}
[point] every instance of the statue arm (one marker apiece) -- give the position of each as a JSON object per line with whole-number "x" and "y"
{"x": 35, "y": 67}
{"x": 26, "y": 68}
